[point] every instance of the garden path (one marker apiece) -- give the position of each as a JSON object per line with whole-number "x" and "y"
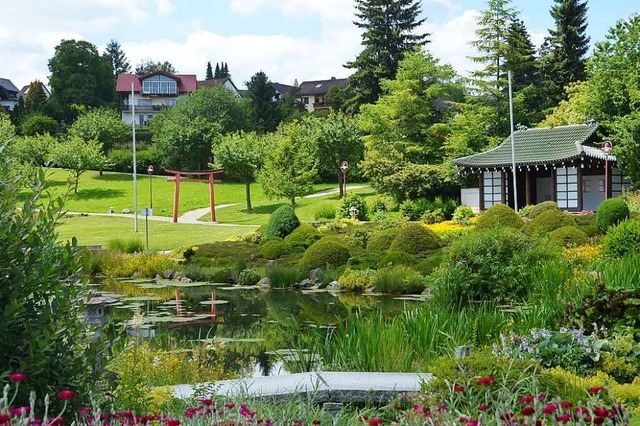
{"x": 333, "y": 191}
{"x": 325, "y": 386}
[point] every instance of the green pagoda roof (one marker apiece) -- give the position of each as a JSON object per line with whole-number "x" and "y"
{"x": 545, "y": 145}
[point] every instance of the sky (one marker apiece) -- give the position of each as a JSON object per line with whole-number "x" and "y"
{"x": 290, "y": 40}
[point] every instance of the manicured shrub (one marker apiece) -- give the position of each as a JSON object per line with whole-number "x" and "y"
{"x": 431, "y": 263}
{"x": 497, "y": 264}
{"x": 357, "y": 279}
{"x": 367, "y": 260}
{"x": 548, "y": 221}
{"x": 415, "y": 238}
{"x": 282, "y": 222}
{"x": 399, "y": 279}
{"x": 535, "y": 210}
{"x": 248, "y": 277}
{"x": 380, "y": 240}
{"x": 327, "y": 251}
{"x": 569, "y": 236}
{"x": 275, "y": 248}
{"x": 303, "y": 236}
{"x": 610, "y": 213}
{"x": 433, "y": 216}
{"x": 462, "y": 214}
{"x": 325, "y": 211}
{"x": 586, "y": 222}
{"x": 352, "y": 201}
{"x": 378, "y": 206}
{"x": 623, "y": 239}
{"x": 499, "y": 215}
{"x": 393, "y": 258}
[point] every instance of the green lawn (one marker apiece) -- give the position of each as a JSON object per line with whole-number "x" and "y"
{"x": 97, "y": 193}
{"x": 162, "y": 235}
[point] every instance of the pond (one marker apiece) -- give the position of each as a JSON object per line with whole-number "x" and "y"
{"x": 265, "y": 326}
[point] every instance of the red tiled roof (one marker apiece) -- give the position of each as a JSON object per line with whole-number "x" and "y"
{"x": 186, "y": 82}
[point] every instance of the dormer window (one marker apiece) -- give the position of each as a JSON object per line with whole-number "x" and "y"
{"x": 159, "y": 85}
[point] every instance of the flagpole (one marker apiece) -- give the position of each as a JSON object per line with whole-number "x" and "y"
{"x": 135, "y": 174}
{"x": 513, "y": 148}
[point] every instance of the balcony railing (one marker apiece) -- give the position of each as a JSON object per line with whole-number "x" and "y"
{"x": 144, "y": 108}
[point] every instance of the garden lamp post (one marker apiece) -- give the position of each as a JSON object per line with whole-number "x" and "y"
{"x": 150, "y": 171}
{"x": 607, "y": 146}
{"x": 344, "y": 166}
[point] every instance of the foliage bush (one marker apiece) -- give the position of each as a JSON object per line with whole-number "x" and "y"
{"x": 497, "y": 264}
{"x": 357, "y": 279}
{"x": 396, "y": 257}
{"x": 586, "y": 222}
{"x": 431, "y": 263}
{"x": 38, "y": 124}
{"x": 380, "y": 240}
{"x": 610, "y": 213}
{"x": 414, "y": 239}
{"x": 367, "y": 260}
{"x": 143, "y": 265}
{"x": 608, "y": 308}
{"x": 433, "y": 216}
{"x": 462, "y": 214}
{"x": 325, "y": 211}
{"x": 378, "y": 206}
{"x": 282, "y": 222}
{"x": 275, "y": 248}
{"x": 399, "y": 279}
{"x": 248, "y": 277}
{"x": 534, "y": 210}
{"x": 126, "y": 246}
{"x": 227, "y": 253}
{"x": 303, "y": 236}
{"x": 350, "y": 201}
{"x": 569, "y": 236}
{"x": 549, "y": 221}
{"x": 284, "y": 276}
{"x": 499, "y": 215}
{"x": 121, "y": 160}
{"x": 327, "y": 251}
{"x": 623, "y": 239}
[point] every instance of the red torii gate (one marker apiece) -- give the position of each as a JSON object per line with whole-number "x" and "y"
{"x": 178, "y": 177}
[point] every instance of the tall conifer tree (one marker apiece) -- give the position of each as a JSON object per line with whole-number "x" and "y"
{"x": 389, "y": 31}
{"x": 209, "y": 74}
{"x": 114, "y": 54}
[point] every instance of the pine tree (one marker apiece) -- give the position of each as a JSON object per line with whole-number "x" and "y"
{"x": 388, "y": 33}
{"x": 520, "y": 58}
{"x": 264, "y": 111}
{"x": 35, "y": 98}
{"x": 225, "y": 70}
{"x": 116, "y": 57}
{"x": 209, "y": 74}
{"x": 217, "y": 73}
{"x": 568, "y": 45}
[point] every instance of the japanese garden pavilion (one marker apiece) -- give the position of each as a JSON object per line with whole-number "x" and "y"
{"x": 561, "y": 163}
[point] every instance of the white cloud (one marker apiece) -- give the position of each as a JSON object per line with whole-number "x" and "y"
{"x": 340, "y": 10}
{"x": 165, "y": 7}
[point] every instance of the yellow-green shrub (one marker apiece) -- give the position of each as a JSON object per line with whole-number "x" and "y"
{"x": 414, "y": 239}
{"x": 499, "y": 215}
{"x": 138, "y": 264}
{"x": 357, "y": 279}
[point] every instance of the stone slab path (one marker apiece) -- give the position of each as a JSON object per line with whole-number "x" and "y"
{"x": 323, "y": 386}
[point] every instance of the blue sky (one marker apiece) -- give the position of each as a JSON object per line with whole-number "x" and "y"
{"x": 288, "y": 39}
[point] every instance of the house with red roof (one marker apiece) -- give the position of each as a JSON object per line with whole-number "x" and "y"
{"x": 145, "y": 96}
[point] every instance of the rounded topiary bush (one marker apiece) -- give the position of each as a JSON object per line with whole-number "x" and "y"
{"x": 393, "y": 258}
{"x": 380, "y": 240}
{"x": 415, "y": 238}
{"x": 536, "y": 210}
{"x": 610, "y": 213}
{"x": 623, "y": 239}
{"x": 499, "y": 215}
{"x": 303, "y": 236}
{"x": 462, "y": 215}
{"x": 325, "y": 252}
{"x": 352, "y": 200}
{"x": 548, "y": 221}
{"x": 275, "y": 248}
{"x": 569, "y": 236}
{"x": 282, "y": 222}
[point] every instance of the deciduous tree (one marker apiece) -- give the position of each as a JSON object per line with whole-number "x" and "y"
{"x": 77, "y": 156}
{"x": 147, "y": 66}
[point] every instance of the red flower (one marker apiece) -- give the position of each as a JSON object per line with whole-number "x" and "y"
{"x": 566, "y": 404}
{"x": 458, "y": 388}
{"x": 84, "y": 410}
{"x": 56, "y": 422}
{"x": 229, "y": 406}
{"x": 375, "y": 421}
{"x": 473, "y": 423}
{"x": 582, "y": 410}
{"x": 542, "y": 397}
{"x": 463, "y": 419}
{"x": 596, "y": 390}
{"x": 486, "y": 380}
{"x": 598, "y": 420}
{"x": 18, "y": 411}
{"x": 600, "y": 411}
{"x": 315, "y": 422}
{"x": 17, "y": 377}
{"x": 364, "y": 417}
{"x": 4, "y": 419}
{"x": 563, "y": 418}
{"x": 483, "y": 407}
{"x": 528, "y": 410}
{"x": 549, "y": 408}
{"x": 66, "y": 394}
{"x": 527, "y": 399}
{"x": 173, "y": 422}
{"x": 206, "y": 402}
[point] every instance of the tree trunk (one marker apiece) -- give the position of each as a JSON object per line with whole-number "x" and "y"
{"x": 341, "y": 183}
{"x": 248, "y": 194}
{"x": 293, "y": 202}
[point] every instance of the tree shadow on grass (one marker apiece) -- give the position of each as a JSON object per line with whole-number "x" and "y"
{"x": 116, "y": 177}
{"x": 97, "y": 193}
{"x": 267, "y": 209}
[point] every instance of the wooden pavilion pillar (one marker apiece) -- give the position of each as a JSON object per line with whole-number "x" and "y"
{"x": 176, "y": 197}
{"x": 210, "y": 180}
{"x": 527, "y": 187}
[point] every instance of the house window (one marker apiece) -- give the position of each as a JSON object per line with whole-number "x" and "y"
{"x": 618, "y": 181}
{"x": 492, "y": 187}
{"x": 567, "y": 187}
{"x": 145, "y": 102}
{"x": 305, "y": 100}
{"x": 586, "y": 186}
{"x": 159, "y": 85}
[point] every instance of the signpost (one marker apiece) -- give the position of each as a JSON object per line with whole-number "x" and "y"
{"x": 344, "y": 166}
{"x": 607, "y": 146}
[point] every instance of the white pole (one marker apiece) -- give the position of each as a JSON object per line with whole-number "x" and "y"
{"x": 135, "y": 174}
{"x": 513, "y": 148}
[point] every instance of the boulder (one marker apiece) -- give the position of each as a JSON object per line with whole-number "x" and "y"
{"x": 264, "y": 283}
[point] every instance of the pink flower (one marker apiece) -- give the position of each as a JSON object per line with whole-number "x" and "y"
{"x": 527, "y": 399}
{"x": 66, "y": 394}
{"x": 473, "y": 423}
{"x": 375, "y": 421}
{"x": 84, "y": 410}
{"x": 563, "y": 418}
{"x": 229, "y": 406}
{"x": 528, "y": 410}
{"x": 17, "y": 377}
{"x": 483, "y": 407}
{"x": 549, "y": 408}
{"x": 596, "y": 390}
{"x": 486, "y": 380}
{"x": 542, "y": 397}
{"x": 173, "y": 422}
{"x": 458, "y": 388}
{"x": 18, "y": 411}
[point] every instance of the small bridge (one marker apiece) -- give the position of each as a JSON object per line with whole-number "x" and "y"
{"x": 322, "y": 387}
